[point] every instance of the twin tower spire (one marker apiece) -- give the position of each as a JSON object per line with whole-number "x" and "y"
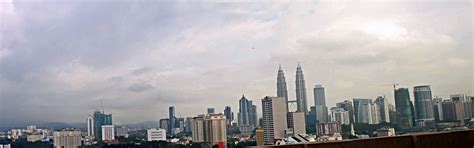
{"x": 301, "y": 103}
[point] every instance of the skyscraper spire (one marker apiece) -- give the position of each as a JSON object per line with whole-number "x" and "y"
{"x": 300, "y": 91}
{"x": 281, "y": 85}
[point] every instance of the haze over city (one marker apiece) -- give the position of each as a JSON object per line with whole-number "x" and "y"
{"x": 60, "y": 59}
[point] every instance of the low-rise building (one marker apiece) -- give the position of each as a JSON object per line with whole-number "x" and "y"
{"x": 156, "y": 134}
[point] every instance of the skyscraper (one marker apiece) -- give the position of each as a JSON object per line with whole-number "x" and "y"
{"x": 247, "y": 116}
{"x": 300, "y": 91}
{"x": 438, "y": 109}
{"x": 320, "y": 104}
{"x": 383, "y": 109}
{"x": 281, "y": 85}
{"x": 229, "y": 115}
{"x": 100, "y": 119}
{"x": 347, "y": 106}
{"x": 172, "y": 119}
{"x": 453, "y": 111}
{"x": 404, "y": 108}
{"x": 274, "y": 123}
{"x": 362, "y": 110}
{"x": 424, "y": 106}
{"x": 90, "y": 126}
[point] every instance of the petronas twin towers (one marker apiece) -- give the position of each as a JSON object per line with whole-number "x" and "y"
{"x": 301, "y": 103}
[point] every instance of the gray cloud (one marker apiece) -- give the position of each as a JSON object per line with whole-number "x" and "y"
{"x": 59, "y": 60}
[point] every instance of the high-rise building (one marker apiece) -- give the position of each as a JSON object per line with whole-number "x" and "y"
{"x": 210, "y": 128}
{"x": 296, "y": 122}
{"x": 363, "y": 110}
{"x": 108, "y": 132}
{"x": 438, "y": 109}
{"x": 311, "y": 117}
{"x": 375, "y": 114}
{"x": 466, "y": 101}
{"x": 340, "y": 115}
{"x": 188, "y": 125}
{"x": 328, "y": 128}
{"x": 301, "y": 101}
{"x": 156, "y": 134}
{"x": 424, "y": 106}
{"x": 383, "y": 109}
{"x": 347, "y": 106}
{"x": 164, "y": 123}
{"x": 247, "y": 113}
{"x": 259, "y": 137}
{"x": 67, "y": 138}
{"x": 320, "y": 104}
{"x": 274, "y": 126}
{"x": 404, "y": 108}
{"x": 211, "y": 110}
{"x": 172, "y": 119}
{"x": 319, "y": 95}
{"x": 99, "y": 119}
{"x": 229, "y": 115}
{"x": 392, "y": 113}
{"x": 453, "y": 111}
{"x": 90, "y": 126}
{"x": 281, "y": 85}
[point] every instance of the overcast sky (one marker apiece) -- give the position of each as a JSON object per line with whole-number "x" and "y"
{"x": 60, "y": 59}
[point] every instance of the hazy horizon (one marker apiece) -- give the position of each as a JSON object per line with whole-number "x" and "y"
{"x": 60, "y": 59}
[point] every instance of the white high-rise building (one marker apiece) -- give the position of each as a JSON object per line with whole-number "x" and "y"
{"x": 90, "y": 126}
{"x": 296, "y": 122}
{"x": 374, "y": 114}
{"x": 67, "y": 138}
{"x": 108, "y": 132}
{"x": 273, "y": 120}
{"x": 340, "y": 115}
{"x": 383, "y": 109}
{"x": 156, "y": 134}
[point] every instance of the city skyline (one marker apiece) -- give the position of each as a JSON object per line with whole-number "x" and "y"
{"x": 56, "y": 67}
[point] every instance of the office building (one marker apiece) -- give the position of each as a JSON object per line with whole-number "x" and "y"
{"x": 164, "y": 123}
{"x": 347, "y": 106}
{"x": 311, "y": 117}
{"x": 424, "y": 106}
{"x": 301, "y": 101}
{"x": 438, "y": 109}
{"x": 453, "y": 111}
{"x": 90, "y": 126}
{"x": 340, "y": 115}
{"x": 67, "y": 138}
{"x": 466, "y": 104}
{"x": 282, "y": 90}
{"x": 229, "y": 115}
{"x": 108, "y": 132}
{"x": 328, "y": 128}
{"x": 95, "y": 123}
{"x": 320, "y": 104}
{"x": 383, "y": 109}
{"x": 247, "y": 116}
{"x": 363, "y": 110}
{"x": 172, "y": 119}
{"x": 296, "y": 122}
{"x": 274, "y": 126}
{"x": 156, "y": 134}
{"x": 210, "y": 129}
{"x": 375, "y": 114}
{"x": 404, "y": 108}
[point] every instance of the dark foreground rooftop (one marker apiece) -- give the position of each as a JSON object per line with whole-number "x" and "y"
{"x": 452, "y": 139}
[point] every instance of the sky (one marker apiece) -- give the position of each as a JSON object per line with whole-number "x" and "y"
{"x": 60, "y": 59}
